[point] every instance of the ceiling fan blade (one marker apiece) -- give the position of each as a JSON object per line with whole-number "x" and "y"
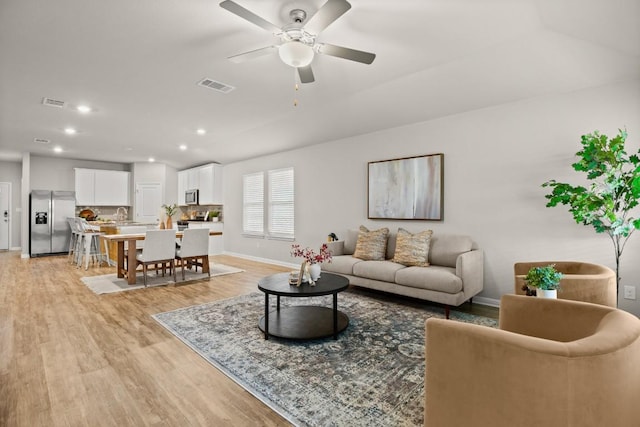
{"x": 329, "y": 12}
{"x": 306, "y": 75}
{"x": 252, "y": 54}
{"x": 246, "y": 14}
{"x": 346, "y": 53}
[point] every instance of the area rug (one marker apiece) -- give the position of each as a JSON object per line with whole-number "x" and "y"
{"x": 372, "y": 375}
{"x": 110, "y": 283}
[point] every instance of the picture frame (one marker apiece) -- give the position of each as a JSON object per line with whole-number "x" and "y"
{"x": 409, "y": 188}
{"x": 301, "y": 273}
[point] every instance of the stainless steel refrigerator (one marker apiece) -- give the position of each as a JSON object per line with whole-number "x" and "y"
{"x": 49, "y": 228}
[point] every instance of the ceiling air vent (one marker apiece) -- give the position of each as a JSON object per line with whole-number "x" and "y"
{"x": 50, "y": 102}
{"x": 215, "y": 85}
{"x": 41, "y": 141}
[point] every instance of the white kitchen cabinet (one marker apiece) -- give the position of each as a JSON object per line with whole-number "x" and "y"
{"x": 193, "y": 179}
{"x": 182, "y": 186}
{"x": 98, "y": 187}
{"x": 112, "y": 188}
{"x": 216, "y": 243}
{"x": 206, "y": 179}
{"x": 85, "y": 179}
{"x": 210, "y": 179}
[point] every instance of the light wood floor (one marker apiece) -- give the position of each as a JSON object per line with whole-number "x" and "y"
{"x": 69, "y": 357}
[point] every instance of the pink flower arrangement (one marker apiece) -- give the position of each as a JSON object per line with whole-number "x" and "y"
{"x": 310, "y": 256}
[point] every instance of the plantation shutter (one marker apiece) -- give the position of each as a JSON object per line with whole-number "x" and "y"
{"x": 253, "y": 204}
{"x": 281, "y": 203}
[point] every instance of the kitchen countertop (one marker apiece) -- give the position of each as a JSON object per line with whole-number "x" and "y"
{"x": 120, "y": 223}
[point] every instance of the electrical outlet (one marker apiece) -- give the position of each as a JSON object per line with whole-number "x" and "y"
{"x": 629, "y": 292}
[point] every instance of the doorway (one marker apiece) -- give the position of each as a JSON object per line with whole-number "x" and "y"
{"x": 148, "y": 202}
{"x": 5, "y": 215}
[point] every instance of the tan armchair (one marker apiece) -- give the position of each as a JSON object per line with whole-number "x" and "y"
{"x": 551, "y": 363}
{"x": 581, "y": 282}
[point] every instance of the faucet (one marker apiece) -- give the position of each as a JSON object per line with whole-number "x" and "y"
{"x": 121, "y": 213}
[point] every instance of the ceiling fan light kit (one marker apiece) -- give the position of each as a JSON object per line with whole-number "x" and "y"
{"x": 296, "y": 54}
{"x": 298, "y": 38}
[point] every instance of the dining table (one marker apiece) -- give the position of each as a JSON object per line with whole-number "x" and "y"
{"x": 128, "y": 242}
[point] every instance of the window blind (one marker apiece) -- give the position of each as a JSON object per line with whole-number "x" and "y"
{"x": 253, "y": 204}
{"x": 281, "y": 218}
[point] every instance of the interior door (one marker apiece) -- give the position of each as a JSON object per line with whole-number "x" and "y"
{"x": 148, "y": 202}
{"x": 5, "y": 214}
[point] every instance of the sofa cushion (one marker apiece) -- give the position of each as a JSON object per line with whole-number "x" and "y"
{"x": 371, "y": 245}
{"x": 412, "y": 249}
{"x": 434, "y": 278}
{"x": 342, "y": 264}
{"x": 377, "y": 270}
{"x": 350, "y": 242}
{"x": 445, "y": 249}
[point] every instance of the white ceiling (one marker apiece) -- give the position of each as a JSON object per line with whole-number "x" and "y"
{"x": 137, "y": 62}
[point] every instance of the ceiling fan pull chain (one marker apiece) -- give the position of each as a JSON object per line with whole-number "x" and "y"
{"x": 296, "y": 87}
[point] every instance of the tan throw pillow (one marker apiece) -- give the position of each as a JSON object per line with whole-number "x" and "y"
{"x": 371, "y": 245}
{"x": 412, "y": 249}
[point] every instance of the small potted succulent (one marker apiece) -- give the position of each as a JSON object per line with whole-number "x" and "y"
{"x": 545, "y": 281}
{"x": 214, "y": 216}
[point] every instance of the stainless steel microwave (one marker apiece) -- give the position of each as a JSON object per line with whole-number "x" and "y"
{"x": 191, "y": 197}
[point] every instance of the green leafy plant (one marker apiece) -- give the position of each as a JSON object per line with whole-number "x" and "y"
{"x": 607, "y": 203}
{"x": 170, "y": 210}
{"x": 546, "y": 278}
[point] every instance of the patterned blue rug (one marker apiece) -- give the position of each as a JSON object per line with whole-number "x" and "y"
{"x": 372, "y": 375}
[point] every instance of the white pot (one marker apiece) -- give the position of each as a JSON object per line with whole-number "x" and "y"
{"x": 541, "y": 293}
{"x": 314, "y": 271}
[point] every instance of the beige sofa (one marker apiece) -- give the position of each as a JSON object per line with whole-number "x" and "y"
{"x": 581, "y": 281}
{"x": 551, "y": 363}
{"x": 455, "y": 275}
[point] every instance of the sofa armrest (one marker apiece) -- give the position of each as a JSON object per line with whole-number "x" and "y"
{"x": 336, "y": 247}
{"x": 476, "y": 375}
{"x": 470, "y": 268}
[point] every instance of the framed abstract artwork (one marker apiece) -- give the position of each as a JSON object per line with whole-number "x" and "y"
{"x": 408, "y": 188}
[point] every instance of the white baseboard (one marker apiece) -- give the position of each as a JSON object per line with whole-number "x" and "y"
{"x": 25, "y": 256}
{"x": 264, "y": 260}
{"x": 491, "y": 302}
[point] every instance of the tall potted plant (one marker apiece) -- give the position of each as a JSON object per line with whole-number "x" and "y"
{"x": 614, "y": 192}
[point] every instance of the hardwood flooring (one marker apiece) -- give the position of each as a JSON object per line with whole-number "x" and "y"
{"x": 69, "y": 357}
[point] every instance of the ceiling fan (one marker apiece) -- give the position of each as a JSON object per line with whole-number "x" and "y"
{"x": 298, "y": 37}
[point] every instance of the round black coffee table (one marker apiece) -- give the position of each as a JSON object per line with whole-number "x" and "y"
{"x": 303, "y": 321}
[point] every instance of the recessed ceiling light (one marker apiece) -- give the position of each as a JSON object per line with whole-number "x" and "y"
{"x": 57, "y": 149}
{"x": 84, "y": 109}
{"x": 201, "y": 131}
{"x": 151, "y": 160}
{"x": 183, "y": 147}
{"x": 70, "y": 131}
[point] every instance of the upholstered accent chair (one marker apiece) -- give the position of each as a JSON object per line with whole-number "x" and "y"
{"x": 551, "y": 363}
{"x": 581, "y": 281}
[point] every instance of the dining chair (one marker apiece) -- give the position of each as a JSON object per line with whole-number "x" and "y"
{"x": 159, "y": 249}
{"x": 194, "y": 250}
{"x": 88, "y": 243}
{"x": 73, "y": 242}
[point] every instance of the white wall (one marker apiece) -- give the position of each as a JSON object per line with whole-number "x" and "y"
{"x": 495, "y": 162}
{"x": 52, "y": 173}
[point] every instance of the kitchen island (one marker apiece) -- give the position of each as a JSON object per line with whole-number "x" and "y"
{"x": 109, "y": 249}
